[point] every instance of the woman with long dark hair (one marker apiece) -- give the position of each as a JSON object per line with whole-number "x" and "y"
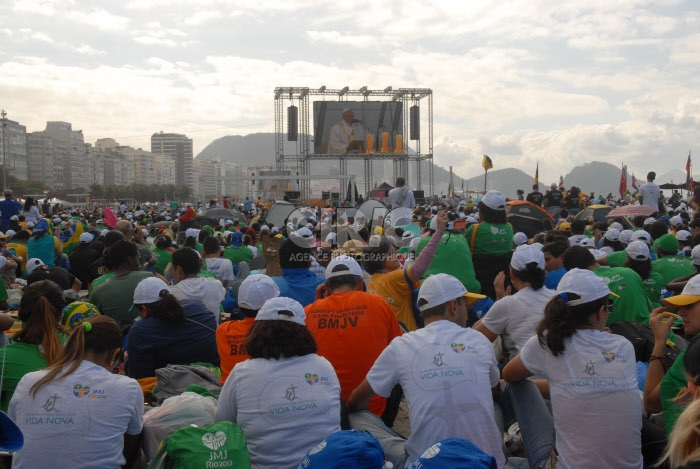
{"x": 170, "y": 332}
{"x": 286, "y": 399}
{"x": 39, "y": 342}
{"x": 77, "y": 413}
{"x": 592, "y": 380}
{"x": 30, "y": 211}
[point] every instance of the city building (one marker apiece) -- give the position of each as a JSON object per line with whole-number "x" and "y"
{"x": 14, "y": 148}
{"x": 179, "y": 147}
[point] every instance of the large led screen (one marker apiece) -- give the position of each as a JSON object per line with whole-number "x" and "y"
{"x": 343, "y": 126}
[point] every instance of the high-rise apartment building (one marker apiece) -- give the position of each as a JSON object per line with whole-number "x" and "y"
{"x": 15, "y": 148}
{"x": 72, "y": 158}
{"x": 179, "y": 147}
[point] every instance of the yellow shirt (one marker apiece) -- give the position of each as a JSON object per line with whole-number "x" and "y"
{"x": 394, "y": 289}
{"x": 21, "y": 251}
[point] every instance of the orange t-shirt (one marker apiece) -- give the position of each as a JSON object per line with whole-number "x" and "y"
{"x": 394, "y": 288}
{"x": 351, "y": 330}
{"x": 230, "y": 342}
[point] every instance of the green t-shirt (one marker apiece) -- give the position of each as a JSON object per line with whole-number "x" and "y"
{"x": 199, "y": 247}
{"x": 3, "y": 292}
{"x": 672, "y": 267}
{"x": 238, "y": 254}
{"x": 632, "y": 304}
{"x": 673, "y": 381}
{"x": 163, "y": 258}
{"x": 99, "y": 281}
{"x": 116, "y": 297}
{"x": 654, "y": 287}
{"x": 490, "y": 238}
{"x": 616, "y": 259}
{"x": 452, "y": 257}
{"x": 20, "y": 359}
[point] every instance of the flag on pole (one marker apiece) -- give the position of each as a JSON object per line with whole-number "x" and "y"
{"x": 623, "y": 181}
{"x": 561, "y": 181}
{"x": 634, "y": 183}
{"x": 487, "y": 163}
{"x": 536, "y": 181}
{"x": 689, "y": 183}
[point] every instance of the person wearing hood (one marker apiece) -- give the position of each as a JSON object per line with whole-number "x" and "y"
{"x": 297, "y": 281}
{"x": 188, "y": 286}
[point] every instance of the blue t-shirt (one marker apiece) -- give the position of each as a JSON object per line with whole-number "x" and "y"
{"x": 553, "y": 278}
{"x": 8, "y": 208}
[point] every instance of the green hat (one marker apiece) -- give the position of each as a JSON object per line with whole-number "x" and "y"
{"x": 667, "y": 243}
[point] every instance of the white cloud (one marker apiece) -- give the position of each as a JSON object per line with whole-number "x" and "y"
{"x": 335, "y": 37}
{"x": 38, "y": 7}
{"x": 87, "y": 50}
{"x": 150, "y": 41}
{"x": 101, "y": 19}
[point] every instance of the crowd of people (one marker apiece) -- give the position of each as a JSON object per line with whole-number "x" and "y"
{"x": 524, "y": 348}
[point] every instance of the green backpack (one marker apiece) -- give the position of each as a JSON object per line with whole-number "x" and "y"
{"x": 220, "y": 444}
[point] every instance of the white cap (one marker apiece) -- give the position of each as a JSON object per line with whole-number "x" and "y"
{"x": 264, "y": 228}
{"x": 275, "y": 230}
{"x": 689, "y": 295}
{"x": 331, "y": 238}
{"x": 584, "y": 283}
{"x": 612, "y": 234}
{"x": 30, "y": 224}
{"x": 553, "y": 185}
{"x": 414, "y": 243}
{"x": 641, "y": 235}
{"x": 471, "y": 220}
{"x": 519, "y": 238}
{"x": 587, "y": 243}
{"x": 270, "y": 311}
{"x": 683, "y": 235}
{"x": 649, "y": 221}
{"x": 433, "y": 223}
{"x": 676, "y": 220}
{"x": 305, "y": 233}
{"x": 104, "y": 232}
{"x": 408, "y": 235}
{"x": 494, "y": 200}
{"x": 524, "y": 255}
{"x": 86, "y": 237}
{"x": 695, "y": 255}
{"x": 14, "y": 217}
{"x": 348, "y": 261}
{"x": 255, "y": 290}
{"x": 638, "y": 251}
{"x": 191, "y": 232}
{"x": 438, "y": 289}
{"x": 148, "y": 291}
{"x": 33, "y": 263}
{"x": 625, "y": 236}
{"x": 616, "y": 225}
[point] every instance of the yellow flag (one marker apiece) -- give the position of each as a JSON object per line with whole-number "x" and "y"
{"x": 486, "y": 162}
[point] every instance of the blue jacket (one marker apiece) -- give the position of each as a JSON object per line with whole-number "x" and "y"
{"x": 153, "y": 343}
{"x": 298, "y": 284}
{"x": 8, "y": 207}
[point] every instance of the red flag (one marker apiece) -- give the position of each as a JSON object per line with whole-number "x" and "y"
{"x": 561, "y": 181}
{"x": 623, "y": 181}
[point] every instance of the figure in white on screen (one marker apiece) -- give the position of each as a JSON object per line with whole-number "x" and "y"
{"x": 344, "y": 133}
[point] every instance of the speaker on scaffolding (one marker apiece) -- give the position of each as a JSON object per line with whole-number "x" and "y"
{"x": 415, "y": 122}
{"x": 419, "y": 196}
{"x": 292, "y": 123}
{"x": 325, "y": 195}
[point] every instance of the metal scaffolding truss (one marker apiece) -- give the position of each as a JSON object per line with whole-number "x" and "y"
{"x": 300, "y": 96}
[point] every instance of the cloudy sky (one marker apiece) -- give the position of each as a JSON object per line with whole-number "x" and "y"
{"x": 559, "y": 83}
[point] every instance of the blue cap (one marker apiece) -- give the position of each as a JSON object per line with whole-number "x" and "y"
{"x": 346, "y": 449}
{"x": 237, "y": 238}
{"x": 42, "y": 226}
{"x": 455, "y": 453}
{"x": 11, "y": 438}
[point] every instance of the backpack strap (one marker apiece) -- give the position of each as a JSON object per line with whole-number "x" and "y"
{"x": 414, "y": 300}
{"x": 473, "y": 240}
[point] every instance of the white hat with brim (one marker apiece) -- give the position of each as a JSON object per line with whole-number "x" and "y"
{"x": 583, "y": 283}
{"x": 284, "y": 309}
{"x": 689, "y": 295}
{"x": 439, "y": 289}
{"x": 255, "y": 290}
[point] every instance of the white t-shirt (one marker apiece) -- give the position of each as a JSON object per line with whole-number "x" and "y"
{"x": 77, "y": 421}
{"x": 650, "y": 192}
{"x": 516, "y": 316}
{"x": 446, "y": 372}
{"x": 595, "y": 399}
{"x": 318, "y": 270}
{"x": 284, "y": 407}
{"x": 222, "y": 268}
{"x": 32, "y": 215}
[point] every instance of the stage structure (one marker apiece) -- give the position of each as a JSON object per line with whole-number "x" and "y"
{"x": 386, "y": 121}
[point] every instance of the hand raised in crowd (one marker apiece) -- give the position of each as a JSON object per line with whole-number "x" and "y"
{"x": 499, "y": 284}
{"x": 442, "y": 220}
